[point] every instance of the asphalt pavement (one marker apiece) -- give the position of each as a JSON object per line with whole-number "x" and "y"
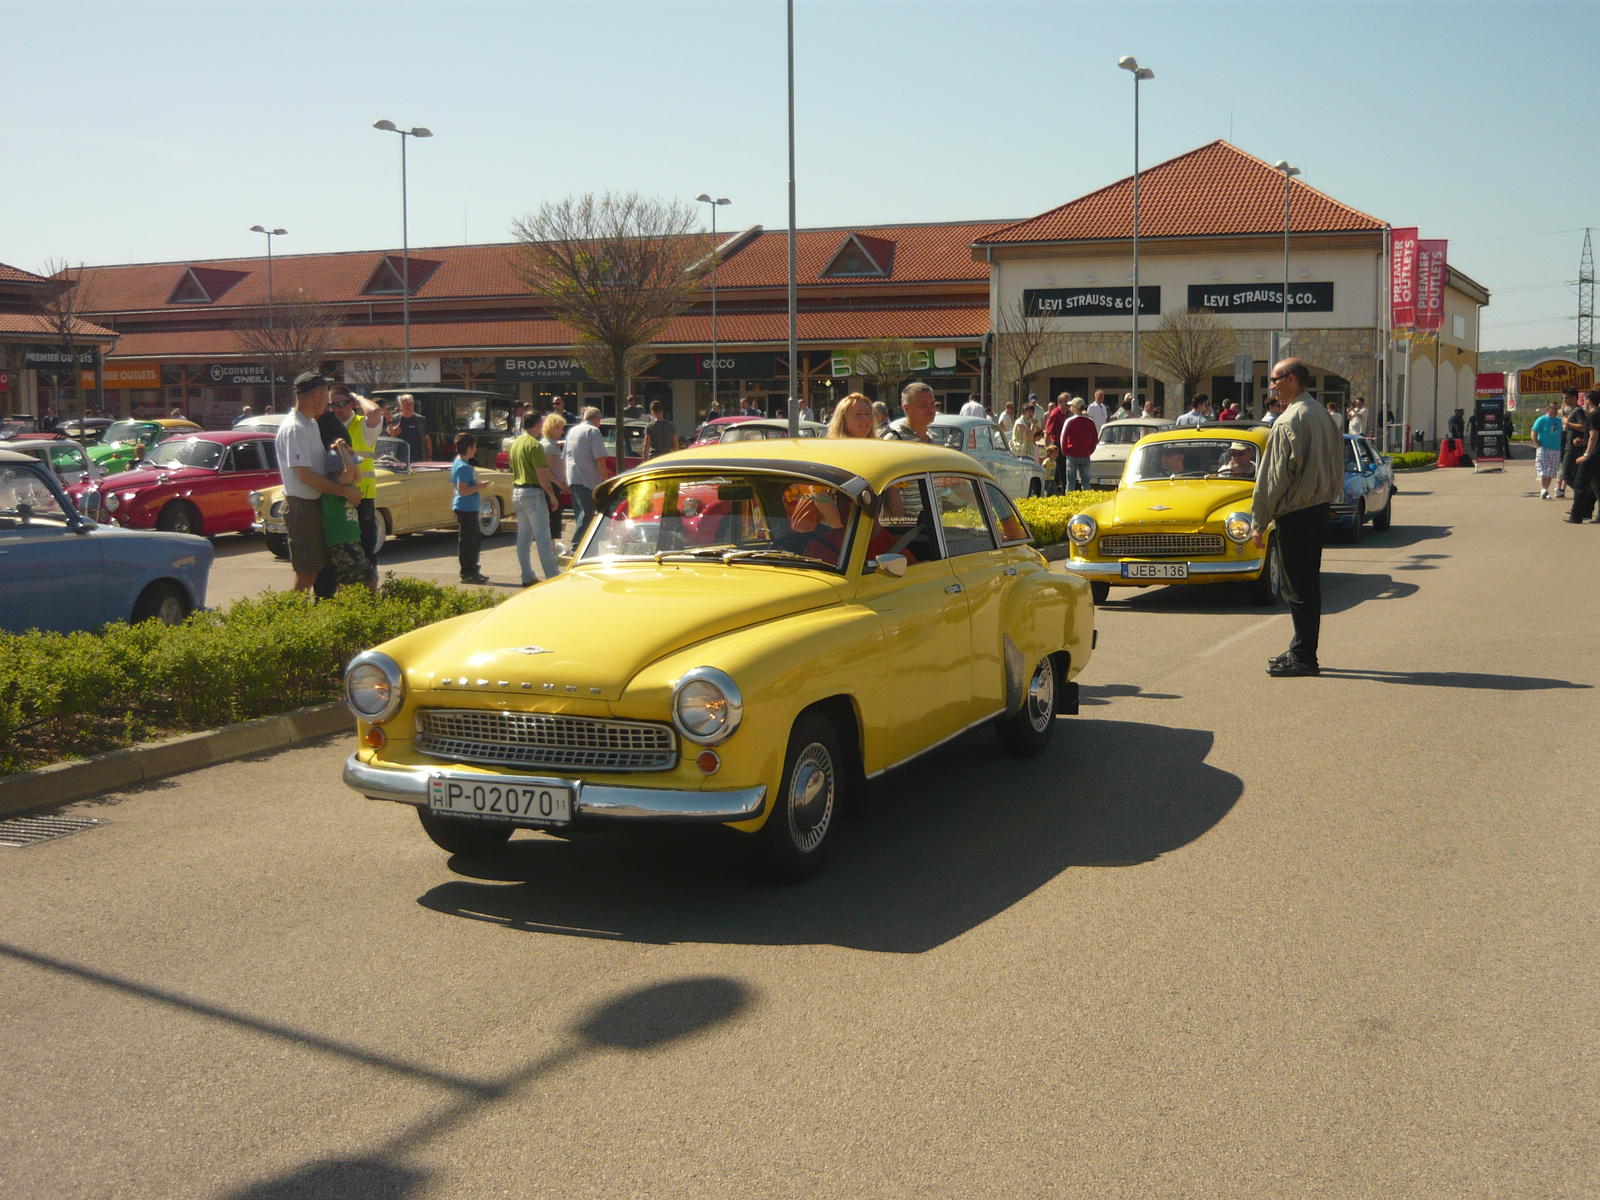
{"x": 1230, "y": 936}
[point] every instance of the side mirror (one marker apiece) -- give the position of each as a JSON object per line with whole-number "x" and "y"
{"x": 890, "y": 564}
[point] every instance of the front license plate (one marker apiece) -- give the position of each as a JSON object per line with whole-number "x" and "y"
{"x": 274, "y": 526}
{"x": 1155, "y": 570}
{"x": 496, "y": 798}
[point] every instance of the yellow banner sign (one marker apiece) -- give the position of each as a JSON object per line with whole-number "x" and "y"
{"x": 126, "y": 375}
{"x": 1553, "y": 376}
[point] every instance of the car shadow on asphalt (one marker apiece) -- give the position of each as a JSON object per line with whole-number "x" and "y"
{"x": 1459, "y": 679}
{"x": 946, "y": 843}
{"x": 1395, "y": 537}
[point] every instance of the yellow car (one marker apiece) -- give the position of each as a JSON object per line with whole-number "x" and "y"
{"x": 746, "y": 633}
{"x": 1180, "y": 515}
{"x": 410, "y": 499}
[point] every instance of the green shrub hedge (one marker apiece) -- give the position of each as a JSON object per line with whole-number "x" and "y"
{"x": 1413, "y": 458}
{"x": 66, "y": 695}
{"x": 1046, "y": 517}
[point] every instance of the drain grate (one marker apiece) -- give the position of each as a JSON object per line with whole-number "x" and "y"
{"x": 25, "y": 831}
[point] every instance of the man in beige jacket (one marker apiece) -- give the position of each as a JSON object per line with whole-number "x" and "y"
{"x": 1300, "y": 476}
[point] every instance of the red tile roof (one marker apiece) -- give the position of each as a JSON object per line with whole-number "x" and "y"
{"x": 18, "y": 275}
{"x": 37, "y": 323}
{"x": 1215, "y": 190}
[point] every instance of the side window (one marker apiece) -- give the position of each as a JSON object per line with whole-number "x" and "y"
{"x": 997, "y": 440}
{"x": 247, "y": 457}
{"x": 269, "y": 453}
{"x": 904, "y": 524}
{"x": 961, "y": 515}
{"x": 1005, "y": 515}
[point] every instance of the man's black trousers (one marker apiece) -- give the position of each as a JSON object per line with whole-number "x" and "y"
{"x": 1300, "y": 536}
{"x": 1584, "y": 482}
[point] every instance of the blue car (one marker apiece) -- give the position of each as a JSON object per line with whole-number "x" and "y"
{"x": 1368, "y": 489}
{"x": 61, "y": 571}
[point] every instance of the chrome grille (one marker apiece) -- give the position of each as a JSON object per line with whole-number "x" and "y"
{"x": 1160, "y": 545}
{"x": 545, "y": 740}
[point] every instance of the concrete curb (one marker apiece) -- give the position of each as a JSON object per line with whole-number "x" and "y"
{"x": 63, "y": 782}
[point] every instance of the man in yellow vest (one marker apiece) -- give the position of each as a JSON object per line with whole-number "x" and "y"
{"x": 363, "y": 419}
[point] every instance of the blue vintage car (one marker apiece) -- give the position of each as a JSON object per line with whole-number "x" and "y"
{"x": 61, "y": 571}
{"x": 1368, "y": 489}
{"x": 982, "y": 439}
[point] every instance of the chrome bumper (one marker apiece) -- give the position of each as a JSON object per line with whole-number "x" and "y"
{"x": 1114, "y": 570}
{"x": 409, "y": 785}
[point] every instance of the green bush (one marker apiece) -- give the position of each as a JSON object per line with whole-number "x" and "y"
{"x": 1413, "y": 458}
{"x": 1046, "y": 516}
{"x": 64, "y": 695}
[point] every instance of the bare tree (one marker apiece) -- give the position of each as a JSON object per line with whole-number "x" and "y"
{"x": 1022, "y": 339}
{"x": 616, "y": 269}
{"x": 886, "y": 363}
{"x": 64, "y": 312}
{"x": 1191, "y": 345}
{"x": 296, "y": 336}
{"x": 380, "y": 367}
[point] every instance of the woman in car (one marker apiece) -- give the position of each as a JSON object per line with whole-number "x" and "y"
{"x": 853, "y": 418}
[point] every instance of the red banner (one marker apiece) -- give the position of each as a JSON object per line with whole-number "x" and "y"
{"x": 1403, "y": 278}
{"x": 1430, "y": 284}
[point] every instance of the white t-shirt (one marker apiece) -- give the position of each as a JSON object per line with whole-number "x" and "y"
{"x": 973, "y": 408}
{"x": 299, "y": 445}
{"x": 1006, "y": 422}
{"x": 1096, "y": 412}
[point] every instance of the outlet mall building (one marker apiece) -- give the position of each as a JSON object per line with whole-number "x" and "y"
{"x": 1211, "y": 235}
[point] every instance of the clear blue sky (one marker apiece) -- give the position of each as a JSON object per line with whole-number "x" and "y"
{"x": 146, "y": 132}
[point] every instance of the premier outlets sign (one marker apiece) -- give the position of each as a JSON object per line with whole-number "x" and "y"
{"x": 533, "y": 368}
{"x": 1261, "y": 298}
{"x": 1090, "y": 302}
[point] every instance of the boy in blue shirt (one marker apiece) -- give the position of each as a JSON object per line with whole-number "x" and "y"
{"x": 1547, "y": 444}
{"x": 465, "y": 502}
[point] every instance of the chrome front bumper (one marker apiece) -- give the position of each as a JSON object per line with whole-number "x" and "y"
{"x": 409, "y": 785}
{"x": 1114, "y": 570}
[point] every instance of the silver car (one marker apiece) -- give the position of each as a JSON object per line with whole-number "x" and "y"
{"x": 983, "y": 440}
{"x": 1116, "y": 440}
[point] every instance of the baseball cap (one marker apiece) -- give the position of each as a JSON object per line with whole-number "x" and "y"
{"x": 308, "y": 381}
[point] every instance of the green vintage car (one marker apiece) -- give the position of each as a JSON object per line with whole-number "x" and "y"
{"x": 126, "y": 442}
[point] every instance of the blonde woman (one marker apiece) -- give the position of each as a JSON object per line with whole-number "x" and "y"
{"x": 552, "y": 436}
{"x": 853, "y": 418}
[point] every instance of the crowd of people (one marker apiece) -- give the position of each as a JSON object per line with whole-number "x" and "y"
{"x": 1566, "y": 439}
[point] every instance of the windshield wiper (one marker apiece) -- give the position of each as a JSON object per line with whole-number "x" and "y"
{"x": 695, "y": 554}
{"x": 779, "y": 555}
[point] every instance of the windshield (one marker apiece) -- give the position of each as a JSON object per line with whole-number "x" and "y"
{"x": 753, "y": 433}
{"x": 732, "y": 516}
{"x": 130, "y": 431}
{"x": 1350, "y": 463}
{"x": 1124, "y": 435}
{"x": 186, "y": 453}
{"x": 1193, "y": 459}
{"x": 25, "y": 495}
{"x": 953, "y": 436}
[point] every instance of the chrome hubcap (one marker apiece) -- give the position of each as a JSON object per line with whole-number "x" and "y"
{"x": 1042, "y": 697}
{"x": 811, "y": 797}
{"x": 170, "y": 611}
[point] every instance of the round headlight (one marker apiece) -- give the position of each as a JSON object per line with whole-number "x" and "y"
{"x": 255, "y": 499}
{"x": 111, "y": 501}
{"x": 373, "y": 686}
{"x": 1237, "y": 527}
{"x": 706, "y": 706}
{"x": 1081, "y": 529}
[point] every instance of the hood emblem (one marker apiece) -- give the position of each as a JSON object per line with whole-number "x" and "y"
{"x": 1160, "y": 507}
{"x": 530, "y": 650}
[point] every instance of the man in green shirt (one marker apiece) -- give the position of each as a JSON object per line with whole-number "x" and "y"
{"x": 533, "y": 497}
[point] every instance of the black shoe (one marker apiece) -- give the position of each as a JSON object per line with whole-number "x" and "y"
{"x": 1572, "y": 520}
{"x": 529, "y": 582}
{"x": 480, "y": 577}
{"x": 1292, "y": 668}
{"x": 1278, "y": 659}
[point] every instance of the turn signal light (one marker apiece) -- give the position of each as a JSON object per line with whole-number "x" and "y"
{"x": 375, "y": 737}
{"x": 708, "y": 762}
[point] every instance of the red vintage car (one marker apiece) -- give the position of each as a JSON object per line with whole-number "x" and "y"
{"x": 198, "y": 483}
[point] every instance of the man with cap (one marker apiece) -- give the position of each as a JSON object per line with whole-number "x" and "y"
{"x": 301, "y": 457}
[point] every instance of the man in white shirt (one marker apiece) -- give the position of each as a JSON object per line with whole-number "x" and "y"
{"x": 585, "y": 448}
{"x": 1096, "y": 411}
{"x": 973, "y": 408}
{"x": 1358, "y": 417}
{"x": 1199, "y": 414}
{"x": 301, "y": 465}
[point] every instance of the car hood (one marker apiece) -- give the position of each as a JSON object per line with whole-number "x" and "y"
{"x": 588, "y": 632}
{"x": 1178, "y": 502}
{"x": 146, "y": 476}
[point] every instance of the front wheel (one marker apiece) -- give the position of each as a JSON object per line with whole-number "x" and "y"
{"x": 1100, "y": 591}
{"x": 1360, "y": 520}
{"x": 163, "y": 601}
{"x": 1268, "y": 586}
{"x": 179, "y": 517}
{"x": 1035, "y": 488}
{"x": 383, "y": 532}
{"x": 800, "y": 826}
{"x": 278, "y": 544}
{"x": 1027, "y": 731}
{"x": 489, "y": 517}
{"x": 1382, "y": 518}
{"x": 460, "y": 836}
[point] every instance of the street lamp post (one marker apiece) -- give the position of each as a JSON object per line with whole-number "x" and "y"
{"x": 418, "y": 131}
{"x": 794, "y": 302}
{"x": 1288, "y": 174}
{"x": 1128, "y": 63}
{"x": 272, "y": 370}
{"x": 704, "y": 198}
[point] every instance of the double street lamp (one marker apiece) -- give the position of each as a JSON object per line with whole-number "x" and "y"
{"x": 272, "y": 373}
{"x": 704, "y": 198}
{"x": 1128, "y": 63}
{"x": 417, "y": 131}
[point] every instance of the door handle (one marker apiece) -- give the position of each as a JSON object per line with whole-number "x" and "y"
{"x": 1011, "y": 570}
{"x": 952, "y": 589}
